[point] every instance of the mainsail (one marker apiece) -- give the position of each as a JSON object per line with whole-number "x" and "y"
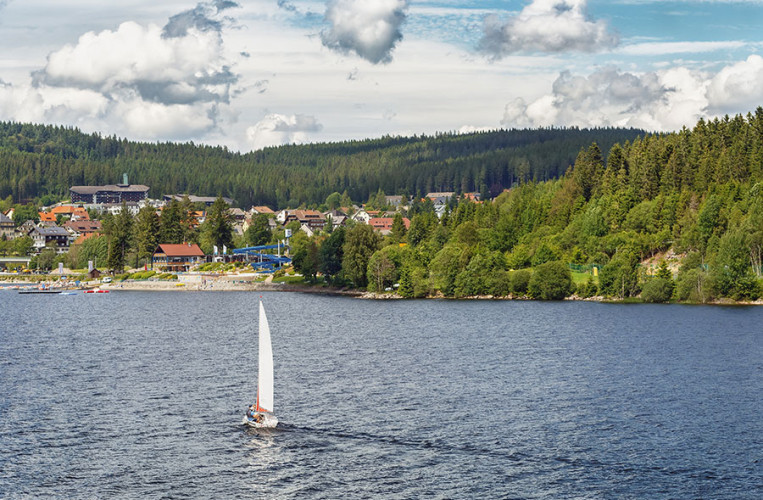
{"x": 265, "y": 369}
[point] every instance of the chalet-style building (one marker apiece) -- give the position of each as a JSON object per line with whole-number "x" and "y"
{"x": 47, "y": 217}
{"x": 57, "y": 237}
{"x": 7, "y": 227}
{"x": 70, "y": 212}
{"x": 27, "y": 227}
{"x": 262, "y": 210}
{"x": 336, "y": 218}
{"x": 311, "y": 218}
{"x": 112, "y": 193}
{"x": 361, "y": 216}
{"x": 383, "y": 225}
{"x": 176, "y": 257}
{"x": 80, "y": 227}
{"x": 237, "y": 214}
{"x": 440, "y": 198}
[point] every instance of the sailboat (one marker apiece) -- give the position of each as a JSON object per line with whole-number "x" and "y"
{"x": 260, "y": 414}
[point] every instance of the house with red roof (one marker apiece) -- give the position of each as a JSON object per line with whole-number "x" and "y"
{"x": 176, "y": 257}
{"x": 383, "y": 225}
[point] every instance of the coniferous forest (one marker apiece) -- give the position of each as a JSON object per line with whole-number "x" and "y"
{"x": 42, "y": 162}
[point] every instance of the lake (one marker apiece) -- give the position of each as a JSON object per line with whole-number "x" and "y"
{"x": 141, "y": 395}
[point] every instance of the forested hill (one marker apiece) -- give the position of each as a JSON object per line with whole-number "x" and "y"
{"x": 38, "y": 161}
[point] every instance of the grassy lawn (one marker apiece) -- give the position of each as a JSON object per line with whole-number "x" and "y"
{"x": 292, "y": 280}
{"x": 578, "y": 278}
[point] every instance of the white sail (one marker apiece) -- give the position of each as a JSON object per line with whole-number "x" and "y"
{"x": 265, "y": 370}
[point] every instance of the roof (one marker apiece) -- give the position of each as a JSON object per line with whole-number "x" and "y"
{"x": 4, "y": 219}
{"x": 305, "y": 215}
{"x": 52, "y": 231}
{"x": 65, "y": 209}
{"x": 47, "y": 216}
{"x": 380, "y": 223}
{"x": 180, "y": 250}
{"x": 83, "y": 225}
{"x": 263, "y": 210}
{"x": 133, "y": 188}
{"x": 85, "y": 236}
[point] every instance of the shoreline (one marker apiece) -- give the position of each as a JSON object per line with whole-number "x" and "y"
{"x": 237, "y": 284}
{"x": 228, "y": 285}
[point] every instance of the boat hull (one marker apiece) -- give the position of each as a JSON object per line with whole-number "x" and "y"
{"x": 267, "y": 421}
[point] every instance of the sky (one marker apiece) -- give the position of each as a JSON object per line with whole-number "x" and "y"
{"x": 248, "y": 74}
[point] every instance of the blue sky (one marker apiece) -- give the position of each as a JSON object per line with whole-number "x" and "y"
{"x": 251, "y": 74}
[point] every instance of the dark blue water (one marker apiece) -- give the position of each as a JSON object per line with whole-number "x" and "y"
{"x": 141, "y": 395}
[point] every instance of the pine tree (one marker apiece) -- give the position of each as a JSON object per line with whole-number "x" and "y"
{"x": 218, "y": 226}
{"x": 146, "y": 233}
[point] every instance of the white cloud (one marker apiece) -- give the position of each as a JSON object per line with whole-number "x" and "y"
{"x": 369, "y": 28}
{"x": 146, "y": 82}
{"x": 171, "y": 70}
{"x": 663, "y": 48}
{"x": 546, "y": 26}
{"x": 276, "y": 130}
{"x": 737, "y": 87}
{"x": 665, "y": 100}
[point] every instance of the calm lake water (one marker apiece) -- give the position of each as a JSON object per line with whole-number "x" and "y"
{"x": 141, "y": 395}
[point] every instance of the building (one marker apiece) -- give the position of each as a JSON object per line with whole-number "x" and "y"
{"x": 311, "y": 218}
{"x": 361, "y": 216}
{"x": 238, "y": 215}
{"x": 336, "y": 218}
{"x": 47, "y": 217}
{"x": 440, "y": 198}
{"x": 112, "y": 193}
{"x": 176, "y": 257}
{"x": 80, "y": 227}
{"x": 262, "y": 210}
{"x": 394, "y": 201}
{"x": 70, "y": 212}
{"x": 7, "y": 227}
{"x": 56, "y": 237}
{"x": 383, "y": 225}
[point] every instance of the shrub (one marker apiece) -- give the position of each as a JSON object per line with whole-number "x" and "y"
{"x": 588, "y": 289}
{"x": 657, "y": 290}
{"x": 550, "y": 281}
{"x": 518, "y": 281}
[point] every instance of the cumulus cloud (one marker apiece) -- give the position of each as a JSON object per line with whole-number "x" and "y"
{"x": 276, "y": 130}
{"x": 369, "y": 28}
{"x": 546, "y": 26}
{"x": 145, "y": 81}
{"x": 663, "y": 101}
{"x": 739, "y": 86}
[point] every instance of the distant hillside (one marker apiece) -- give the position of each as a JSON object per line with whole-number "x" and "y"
{"x": 44, "y": 161}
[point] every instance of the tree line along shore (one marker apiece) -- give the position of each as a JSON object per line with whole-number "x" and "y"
{"x": 664, "y": 217}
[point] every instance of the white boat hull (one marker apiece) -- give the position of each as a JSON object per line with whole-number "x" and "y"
{"x": 268, "y": 421}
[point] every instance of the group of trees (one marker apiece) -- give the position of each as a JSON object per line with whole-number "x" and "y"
{"x": 696, "y": 194}
{"x": 43, "y": 162}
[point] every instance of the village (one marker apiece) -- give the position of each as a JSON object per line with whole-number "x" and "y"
{"x": 66, "y": 226}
